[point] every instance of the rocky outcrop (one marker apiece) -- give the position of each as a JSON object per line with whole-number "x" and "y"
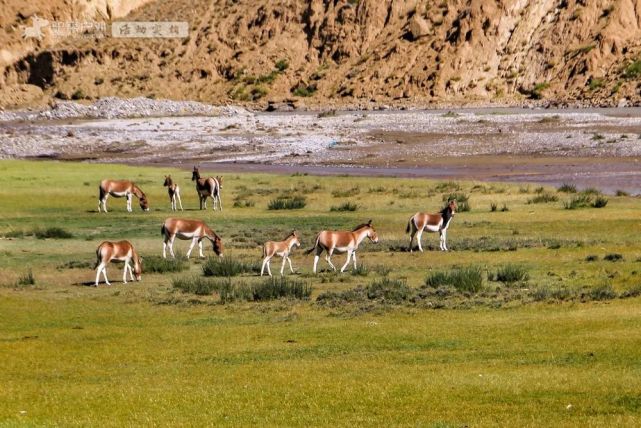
{"x": 360, "y": 52}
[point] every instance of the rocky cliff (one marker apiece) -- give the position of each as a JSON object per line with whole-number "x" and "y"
{"x": 356, "y": 52}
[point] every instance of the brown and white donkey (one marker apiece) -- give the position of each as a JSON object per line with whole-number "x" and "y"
{"x": 121, "y": 251}
{"x": 119, "y": 189}
{"x": 432, "y": 223}
{"x": 195, "y": 230}
{"x": 279, "y": 248}
{"x": 209, "y": 187}
{"x": 342, "y": 242}
{"x": 174, "y": 192}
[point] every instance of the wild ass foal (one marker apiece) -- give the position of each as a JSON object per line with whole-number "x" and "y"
{"x": 432, "y": 223}
{"x": 174, "y": 192}
{"x": 118, "y": 189}
{"x": 195, "y": 230}
{"x": 122, "y": 251}
{"x": 280, "y": 248}
{"x": 209, "y": 187}
{"x": 342, "y": 242}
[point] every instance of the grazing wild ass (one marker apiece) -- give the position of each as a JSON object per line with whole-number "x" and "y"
{"x": 280, "y": 248}
{"x": 195, "y": 230}
{"x": 121, "y": 251}
{"x": 174, "y": 193}
{"x": 118, "y": 189}
{"x": 342, "y": 242}
{"x": 209, "y": 187}
{"x": 432, "y": 223}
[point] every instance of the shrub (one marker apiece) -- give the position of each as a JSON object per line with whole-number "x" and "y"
{"x": 52, "y": 233}
{"x": 346, "y": 193}
{"x": 622, "y": 193}
{"x": 75, "y": 264}
{"x": 462, "y": 201}
{"x": 282, "y": 65}
{"x": 447, "y": 186}
{"x": 493, "y": 207}
{"x": 390, "y": 290}
{"x": 287, "y": 203}
{"x": 543, "y": 198}
{"x": 511, "y": 273}
{"x": 304, "y": 91}
{"x": 14, "y": 234}
{"x": 78, "y": 95}
{"x": 276, "y": 288}
{"x": 579, "y": 201}
{"x": 613, "y": 257}
{"x": 27, "y": 279}
{"x": 602, "y": 292}
{"x": 465, "y": 279}
{"x": 360, "y": 270}
{"x": 195, "y": 285}
{"x": 347, "y": 206}
{"x": 546, "y": 293}
{"x": 633, "y": 70}
{"x": 631, "y": 292}
{"x": 243, "y": 203}
{"x": 600, "y": 202}
{"x": 595, "y": 83}
{"x": 227, "y": 266}
{"x": 592, "y": 258}
{"x": 156, "y": 264}
{"x": 504, "y": 208}
{"x": 567, "y": 188}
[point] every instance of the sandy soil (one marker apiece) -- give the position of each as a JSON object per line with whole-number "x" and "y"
{"x": 599, "y": 147}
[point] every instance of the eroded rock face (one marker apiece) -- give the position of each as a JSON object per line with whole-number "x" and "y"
{"x": 366, "y": 51}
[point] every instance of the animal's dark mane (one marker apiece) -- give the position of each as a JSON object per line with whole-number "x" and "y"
{"x": 360, "y": 226}
{"x": 446, "y": 210}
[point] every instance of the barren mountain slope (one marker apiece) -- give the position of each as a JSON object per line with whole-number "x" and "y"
{"x": 357, "y": 52}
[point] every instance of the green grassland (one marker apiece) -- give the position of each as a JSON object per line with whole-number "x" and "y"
{"x": 559, "y": 347}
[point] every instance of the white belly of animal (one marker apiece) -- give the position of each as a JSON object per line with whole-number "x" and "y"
{"x": 118, "y": 194}
{"x": 432, "y": 228}
{"x": 280, "y": 253}
{"x": 185, "y": 235}
{"x": 341, "y": 249}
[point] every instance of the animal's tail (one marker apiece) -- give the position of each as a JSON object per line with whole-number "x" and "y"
{"x": 407, "y": 229}
{"x": 315, "y": 245}
{"x": 101, "y": 192}
{"x": 163, "y": 230}
{"x": 98, "y": 257}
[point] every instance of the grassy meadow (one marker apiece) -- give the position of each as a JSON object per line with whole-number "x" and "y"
{"x": 531, "y": 319}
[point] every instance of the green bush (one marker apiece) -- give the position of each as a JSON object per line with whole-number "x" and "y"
{"x": 304, "y": 91}
{"x": 227, "y": 266}
{"x": 346, "y": 206}
{"x": 282, "y": 65}
{"x": 389, "y": 290}
{"x": 287, "y": 203}
{"x": 613, "y": 257}
{"x": 347, "y": 192}
{"x": 567, "y": 188}
{"x": 462, "y": 201}
{"x": 511, "y": 273}
{"x": 196, "y": 285}
{"x": 543, "y": 198}
{"x": 600, "y": 202}
{"x": 27, "y": 279}
{"x": 579, "y": 201}
{"x": 52, "y": 233}
{"x": 156, "y": 264}
{"x": 633, "y": 70}
{"x": 283, "y": 287}
{"x": 602, "y": 292}
{"x": 464, "y": 279}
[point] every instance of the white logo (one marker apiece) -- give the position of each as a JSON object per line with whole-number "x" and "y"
{"x": 35, "y": 31}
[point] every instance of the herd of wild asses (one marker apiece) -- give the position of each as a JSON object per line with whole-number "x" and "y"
{"x": 197, "y": 230}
